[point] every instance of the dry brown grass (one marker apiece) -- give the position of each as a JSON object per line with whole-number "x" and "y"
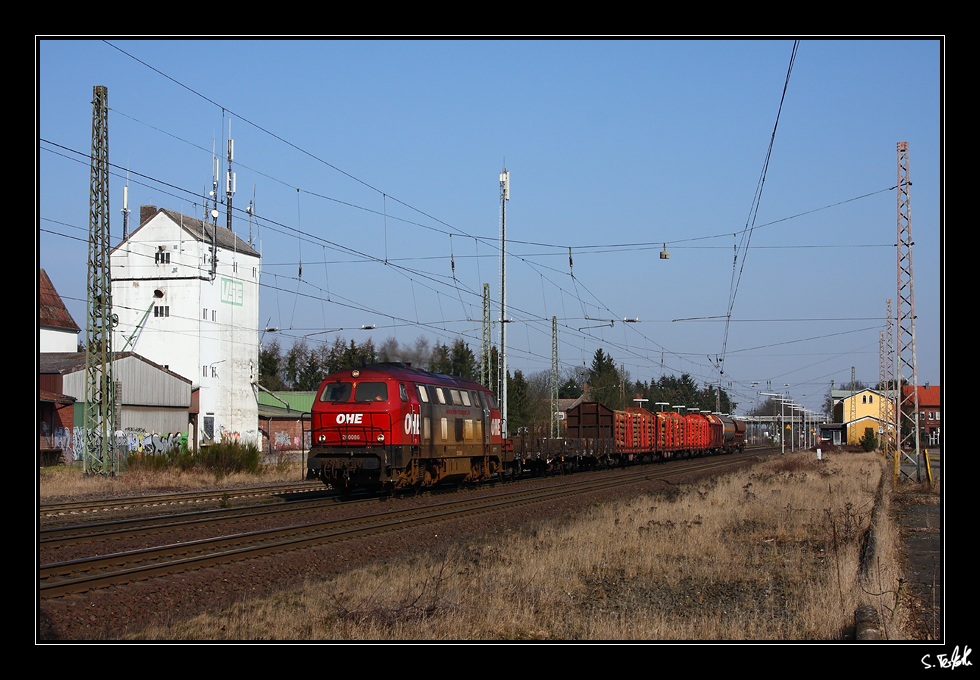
{"x": 773, "y": 553}
{"x": 69, "y": 483}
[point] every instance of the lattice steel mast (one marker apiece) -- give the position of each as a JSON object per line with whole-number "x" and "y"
{"x": 99, "y": 421}
{"x": 886, "y": 371}
{"x": 907, "y": 413}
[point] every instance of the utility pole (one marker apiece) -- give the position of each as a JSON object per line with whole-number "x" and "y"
{"x": 504, "y": 197}
{"x": 554, "y": 378}
{"x": 99, "y": 420}
{"x": 907, "y": 413}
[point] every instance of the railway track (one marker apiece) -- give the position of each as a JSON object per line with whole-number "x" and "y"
{"x": 101, "y": 571}
{"x": 171, "y": 499}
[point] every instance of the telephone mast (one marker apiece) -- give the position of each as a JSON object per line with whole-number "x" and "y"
{"x": 99, "y": 420}
{"x": 907, "y": 413}
{"x": 504, "y": 197}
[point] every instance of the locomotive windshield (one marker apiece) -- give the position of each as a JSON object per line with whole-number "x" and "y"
{"x": 339, "y": 391}
{"x": 371, "y": 391}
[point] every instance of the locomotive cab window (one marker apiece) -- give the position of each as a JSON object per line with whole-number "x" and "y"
{"x": 401, "y": 392}
{"x": 335, "y": 392}
{"x": 371, "y": 391}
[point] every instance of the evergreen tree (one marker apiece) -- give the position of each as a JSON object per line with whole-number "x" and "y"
{"x": 270, "y": 366}
{"x": 520, "y": 410}
{"x": 605, "y": 381}
{"x": 462, "y": 361}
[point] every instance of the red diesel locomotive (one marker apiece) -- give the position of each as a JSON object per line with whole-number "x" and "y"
{"x": 393, "y": 426}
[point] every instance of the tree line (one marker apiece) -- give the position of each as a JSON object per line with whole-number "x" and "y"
{"x": 303, "y": 367}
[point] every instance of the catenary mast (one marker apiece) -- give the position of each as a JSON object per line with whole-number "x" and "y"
{"x": 99, "y": 420}
{"x": 907, "y": 413}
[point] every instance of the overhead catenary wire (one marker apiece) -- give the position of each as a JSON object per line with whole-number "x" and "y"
{"x": 436, "y": 281}
{"x": 753, "y": 213}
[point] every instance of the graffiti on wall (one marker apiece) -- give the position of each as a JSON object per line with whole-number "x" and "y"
{"x": 284, "y": 441}
{"x": 247, "y": 437}
{"x": 69, "y": 440}
{"x": 151, "y": 443}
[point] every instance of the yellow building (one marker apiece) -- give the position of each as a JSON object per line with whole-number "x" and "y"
{"x": 862, "y": 409}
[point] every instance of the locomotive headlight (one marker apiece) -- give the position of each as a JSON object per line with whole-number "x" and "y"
{"x": 381, "y": 437}
{"x": 322, "y": 438}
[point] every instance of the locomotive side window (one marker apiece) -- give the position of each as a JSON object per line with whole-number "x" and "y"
{"x": 445, "y": 428}
{"x": 440, "y": 396}
{"x": 401, "y": 392}
{"x": 489, "y": 396}
{"x": 466, "y": 398}
{"x": 371, "y": 391}
{"x": 335, "y": 392}
{"x": 423, "y": 394}
{"x": 457, "y": 399}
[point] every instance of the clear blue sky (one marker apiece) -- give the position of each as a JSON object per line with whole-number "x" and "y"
{"x": 614, "y": 148}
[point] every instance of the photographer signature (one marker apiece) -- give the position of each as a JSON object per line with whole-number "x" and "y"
{"x": 949, "y": 661}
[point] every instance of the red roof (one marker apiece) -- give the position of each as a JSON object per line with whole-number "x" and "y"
{"x": 51, "y": 310}
{"x": 928, "y": 396}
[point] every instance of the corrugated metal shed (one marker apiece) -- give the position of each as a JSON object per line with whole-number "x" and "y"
{"x": 153, "y": 399}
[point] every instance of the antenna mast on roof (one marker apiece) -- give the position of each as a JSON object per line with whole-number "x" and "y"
{"x": 251, "y": 211}
{"x": 230, "y": 180}
{"x": 214, "y": 185}
{"x": 125, "y": 208}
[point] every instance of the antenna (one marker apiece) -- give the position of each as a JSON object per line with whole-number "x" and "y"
{"x": 251, "y": 211}
{"x": 125, "y": 208}
{"x": 230, "y": 181}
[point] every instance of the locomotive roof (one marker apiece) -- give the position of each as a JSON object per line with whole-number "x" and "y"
{"x": 403, "y": 371}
